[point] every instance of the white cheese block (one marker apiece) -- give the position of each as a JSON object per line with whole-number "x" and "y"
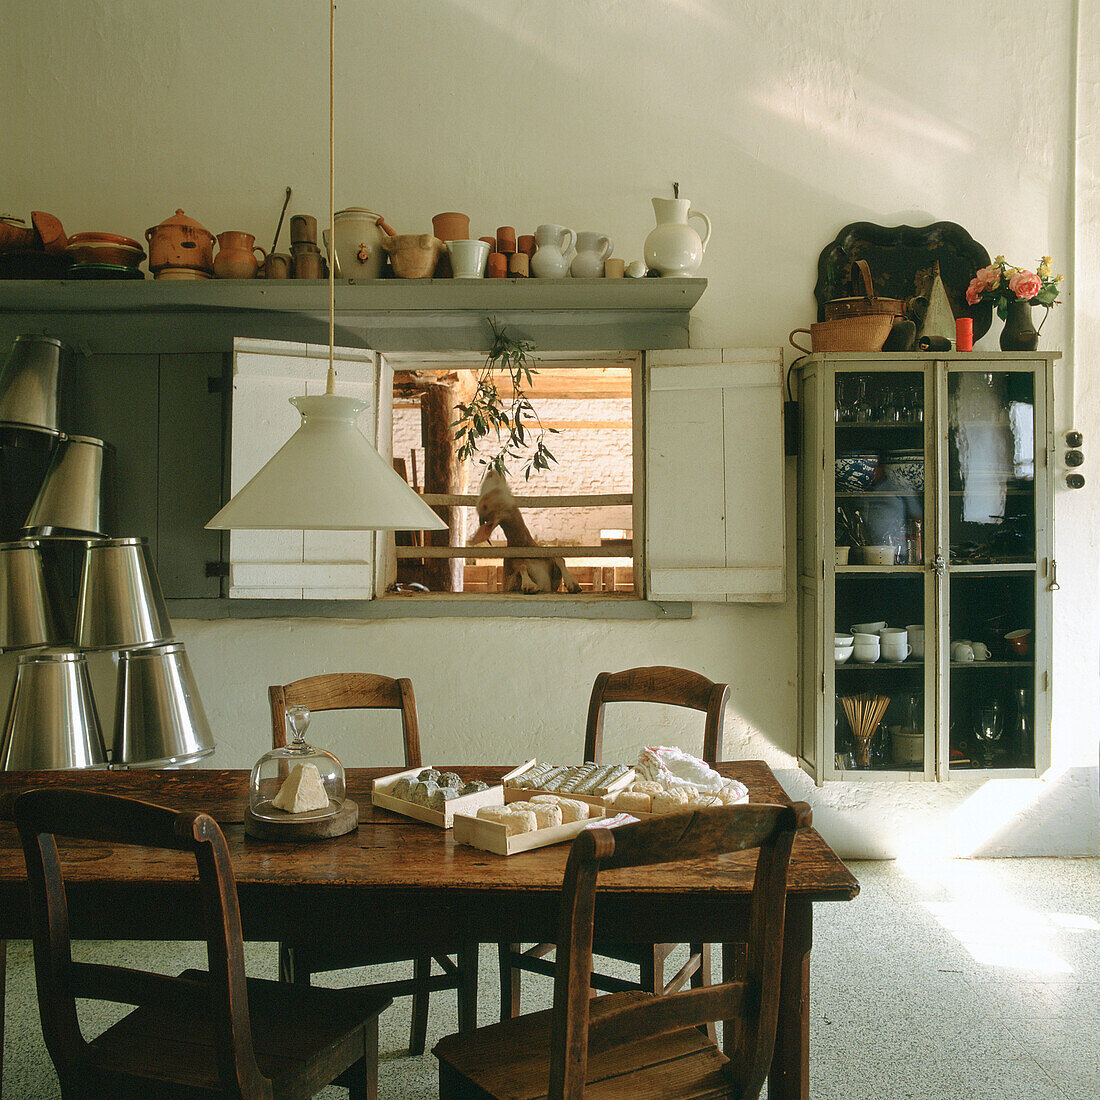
{"x": 572, "y": 809}
{"x": 302, "y": 790}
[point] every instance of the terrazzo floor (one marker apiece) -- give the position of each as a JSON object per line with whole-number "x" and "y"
{"x": 966, "y": 980}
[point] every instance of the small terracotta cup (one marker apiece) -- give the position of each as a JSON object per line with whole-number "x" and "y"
{"x": 303, "y": 228}
{"x": 498, "y": 265}
{"x": 277, "y": 266}
{"x": 614, "y": 268}
{"x": 491, "y": 242}
{"x": 519, "y": 265}
{"x": 307, "y": 265}
{"x": 1018, "y": 642}
{"x": 525, "y": 243}
{"x": 451, "y": 226}
{"x": 506, "y": 239}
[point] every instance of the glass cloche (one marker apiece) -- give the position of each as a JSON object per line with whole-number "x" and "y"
{"x": 297, "y": 782}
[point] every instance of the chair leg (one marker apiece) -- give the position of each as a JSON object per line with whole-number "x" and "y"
{"x": 651, "y": 976}
{"x": 364, "y": 1083}
{"x": 422, "y": 969}
{"x": 702, "y": 977}
{"x": 467, "y": 986}
{"x": 289, "y": 968}
{"x": 510, "y": 977}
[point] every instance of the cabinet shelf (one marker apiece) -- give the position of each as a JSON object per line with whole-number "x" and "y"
{"x": 894, "y": 424}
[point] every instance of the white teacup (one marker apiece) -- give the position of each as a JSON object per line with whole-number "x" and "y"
{"x": 468, "y": 258}
{"x": 916, "y": 638}
{"x": 867, "y": 628}
{"x": 894, "y": 650}
{"x": 866, "y": 652}
{"x": 861, "y": 637}
{"x": 981, "y": 651}
{"x": 962, "y": 651}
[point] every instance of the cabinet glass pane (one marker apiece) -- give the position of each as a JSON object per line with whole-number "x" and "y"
{"x": 879, "y": 719}
{"x": 992, "y": 670}
{"x": 991, "y": 467}
{"x": 880, "y": 467}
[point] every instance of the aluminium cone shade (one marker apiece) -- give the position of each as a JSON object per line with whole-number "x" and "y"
{"x": 327, "y": 477}
{"x": 27, "y": 616}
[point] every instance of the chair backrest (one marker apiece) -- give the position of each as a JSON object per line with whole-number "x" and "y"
{"x": 752, "y": 1002}
{"x": 42, "y": 815}
{"x": 348, "y": 691}
{"x": 677, "y": 687}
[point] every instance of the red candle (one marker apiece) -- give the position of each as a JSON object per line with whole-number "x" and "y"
{"x": 964, "y": 334}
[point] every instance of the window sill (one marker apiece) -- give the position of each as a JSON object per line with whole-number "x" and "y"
{"x": 442, "y": 605}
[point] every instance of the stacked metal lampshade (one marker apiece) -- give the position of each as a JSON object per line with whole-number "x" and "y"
{"x": 52, "y": 721}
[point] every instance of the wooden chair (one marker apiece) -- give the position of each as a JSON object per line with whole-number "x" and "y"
{"x": 676, "y": 687}
{"x": 634, "y": 1044}
{"x": 209, "y": 1033}
{"x": 299, "y": 961}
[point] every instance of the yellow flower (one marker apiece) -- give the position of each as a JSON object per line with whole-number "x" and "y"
{"x": 1058, "y": 278}
{"x": 998, "y": 259}
{"x": 1010, "y": 271}
{"x": 1043, "y": 270}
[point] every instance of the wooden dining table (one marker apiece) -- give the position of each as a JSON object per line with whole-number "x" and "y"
{"x": 396, "y": 880}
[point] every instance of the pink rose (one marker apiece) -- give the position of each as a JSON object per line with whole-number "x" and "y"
{"x": 1025, "y": 285}
{"x": 988, "y": 278}
{"x": 974, "y": 292}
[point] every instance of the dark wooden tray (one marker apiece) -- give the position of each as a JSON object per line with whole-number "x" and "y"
{"x": 896, "y": 254}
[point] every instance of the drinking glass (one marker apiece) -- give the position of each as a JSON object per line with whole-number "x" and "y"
{"x": 988, "y": 727}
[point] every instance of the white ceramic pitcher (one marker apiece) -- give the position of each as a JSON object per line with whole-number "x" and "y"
{"x": 555, "y": 242}
{"x": 674, "y": 248}
{"x": 358, "y": 253}
{"x": 592, "y": 250}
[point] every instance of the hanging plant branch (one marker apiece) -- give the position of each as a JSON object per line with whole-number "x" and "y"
{"x": 507, "y": 419}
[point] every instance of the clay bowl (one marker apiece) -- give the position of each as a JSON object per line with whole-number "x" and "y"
{"x": 413, "y": 255}
{"x": 104, "y": 248}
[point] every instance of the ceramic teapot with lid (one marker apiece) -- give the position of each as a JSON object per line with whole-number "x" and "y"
{"x": 674, "y": 248}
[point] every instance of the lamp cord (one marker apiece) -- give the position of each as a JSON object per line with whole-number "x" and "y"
{"x": 330, "y": 385}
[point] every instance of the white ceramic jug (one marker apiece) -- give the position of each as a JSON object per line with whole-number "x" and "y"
{"x": 674, "y": 248}
{"x": 555, "y": 242}
{"x": 358, "y": 253}
{"x": 592, "y": 250}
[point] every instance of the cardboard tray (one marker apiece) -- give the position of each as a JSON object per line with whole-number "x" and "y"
{"x": 493, "y": 837}
{"x": 522, "y": 794}
{"x": 466, "y": 804}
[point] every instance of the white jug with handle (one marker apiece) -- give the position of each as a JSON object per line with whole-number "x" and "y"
{"x": 555, "y": 242}
{"x": 592, "y": 250}
{"x": 674, "y": 248}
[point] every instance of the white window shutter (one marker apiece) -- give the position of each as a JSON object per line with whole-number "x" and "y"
{"x": 295, "y": 565}
{"x": 714, "y": 476}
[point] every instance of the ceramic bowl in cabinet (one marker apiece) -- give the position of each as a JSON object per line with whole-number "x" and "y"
{"x": 104, "y": 248}
{"x": 855, "y": 473}
{"x": 906, "y": 468}
{"x": 841, "y": 653}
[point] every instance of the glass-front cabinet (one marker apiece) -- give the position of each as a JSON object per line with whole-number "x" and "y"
{"x": 925, "y": 569}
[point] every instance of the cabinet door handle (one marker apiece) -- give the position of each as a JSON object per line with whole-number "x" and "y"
{"x": 938, "y": 565}
{"x": 1054, "y": 585}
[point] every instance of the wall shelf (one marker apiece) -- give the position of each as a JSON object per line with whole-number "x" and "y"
{"x": 383, "y": 314}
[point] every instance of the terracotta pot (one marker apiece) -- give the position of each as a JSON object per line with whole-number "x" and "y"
{"x": 506, "y": 239}
{"x": 498, "y": 265}
{"x": 104, "y": 248}
{"x": 236, "y": 259}
{"x": 180, "y": 241}
{"x": 451, "y": 226}
{"x": 413, "y": 255}
{"x": 525, "y": 243}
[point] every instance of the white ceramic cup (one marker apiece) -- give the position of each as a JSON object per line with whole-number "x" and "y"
{"x": 880, "y": 555}
{"x": 468, "y": 258}
{"x": 894, "y": 650}
{"x": 860, "y": 637}
{"x": 867, "y": 628}
{"x": 866, "y": 652}
{"x": 842, "y": 639}
{"x": 842, "y": 554}
{"x": 981, "y": 651}
{"x": 916, "y": 638}
{"x": 962, "y": 651}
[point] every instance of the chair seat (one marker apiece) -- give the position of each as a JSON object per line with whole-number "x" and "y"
{"x": 290, "y": 1025}
{"x": 511, "y": 1061}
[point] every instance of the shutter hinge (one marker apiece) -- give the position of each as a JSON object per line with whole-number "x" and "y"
{"x": 1046, "y": 681}
{"x": 217, "y": 569}
{"x": 822, "y": 683}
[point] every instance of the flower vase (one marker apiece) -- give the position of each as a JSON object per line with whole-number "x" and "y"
{"x": 1019, "y": 334}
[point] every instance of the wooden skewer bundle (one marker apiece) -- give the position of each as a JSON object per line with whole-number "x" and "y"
{"x": 864, "y": 713}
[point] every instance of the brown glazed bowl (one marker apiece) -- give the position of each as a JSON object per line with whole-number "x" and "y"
{"x": 104, "y": 248}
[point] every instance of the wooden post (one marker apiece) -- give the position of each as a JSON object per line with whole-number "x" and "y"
{"x": 442, "y": 474}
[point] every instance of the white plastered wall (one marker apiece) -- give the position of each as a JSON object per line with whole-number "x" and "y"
{"x": 782, "y": 121}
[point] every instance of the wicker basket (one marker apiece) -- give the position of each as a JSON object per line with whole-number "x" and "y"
{"x": 866, "y": 333}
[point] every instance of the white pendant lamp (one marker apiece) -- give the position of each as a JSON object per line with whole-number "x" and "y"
{"x": 327, "y": 476}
